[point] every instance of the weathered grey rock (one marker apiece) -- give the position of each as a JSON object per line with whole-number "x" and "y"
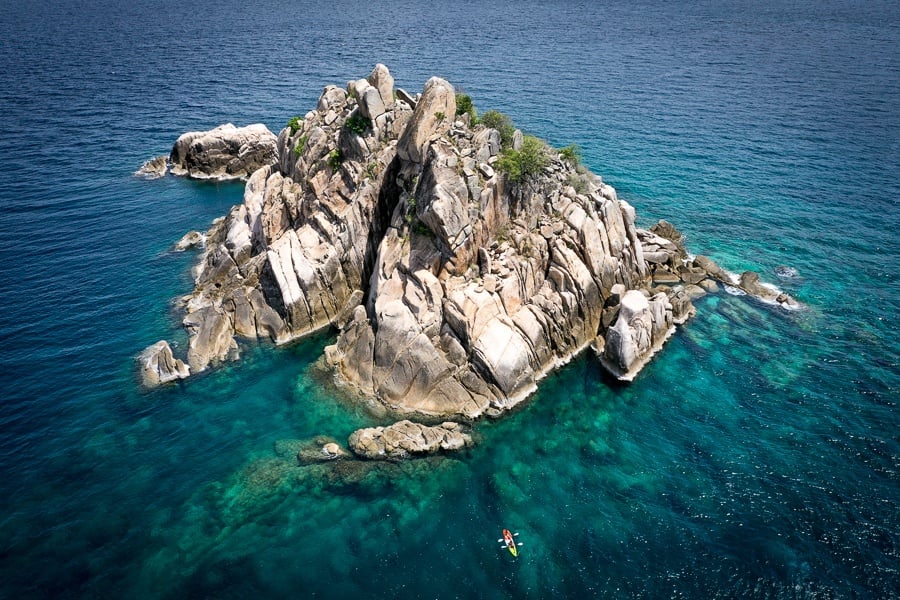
{"x": 332, "y": 97}
{"x": 517, "y": 139}
{"x": 639, "y": 331}
{"x": 712, "y": 269}
{"x": 370, "y": 104}
{"x": 709, "y": 285}
{"x": 486, "y": 143}
{"x": 154, "y": 168}
{"x": 405, "y": 438}
{"x": 405, "y": 96}
{"x": 212, "y": 340}
{"x": 433, "y": 115}
{"x": 226, "y": 152}
{"x": 665, "y": 277}
{"x": 158, "y": 366}
{"x": 383, "y": 81}
{"x": 667, "y": 231}
{"x": 694, "y": 291}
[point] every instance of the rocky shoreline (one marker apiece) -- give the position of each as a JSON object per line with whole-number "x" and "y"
{"x": 460, "y": 261}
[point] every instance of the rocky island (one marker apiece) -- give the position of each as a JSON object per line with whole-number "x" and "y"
{"x": 459, "y": 260}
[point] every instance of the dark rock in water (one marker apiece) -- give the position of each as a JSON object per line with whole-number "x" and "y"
{"x": 749, "y": 282}
{"x": 785, "y": 272}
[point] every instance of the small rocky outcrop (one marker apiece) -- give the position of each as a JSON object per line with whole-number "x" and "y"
{"x": 226, "y": 152}
{"x": 671, "y": 265}
{"x": 159, "y": 366}
{"x": 642, "y": 326}
{"x": 454, "y": 289}
{"x": 154, "y": 168}
{"x": 405, "y": 438}
{"x": 192, "y": 239}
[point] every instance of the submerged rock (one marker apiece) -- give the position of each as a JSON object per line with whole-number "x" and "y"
{"x": 226, "y": 152}
{"x": 311, "y": 451}
{"x": 785, "y": 272}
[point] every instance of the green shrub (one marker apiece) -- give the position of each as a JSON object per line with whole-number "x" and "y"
{"x": 518, "y": 165}
{"x": 358, "y": 124}
{"x": 423, "y": 229}
{"x": 411, "y": 210}
{"x": 335, "y": 159}
{"x": 301, "y": 144}
{"x": 440, "y": 116}
{"x": 571, "y": 154}
{"x": 578, "y": 182}
{"x": 465, "y": 106}
{"x": 502, "y": 123}
{"x": 295, "y": 124}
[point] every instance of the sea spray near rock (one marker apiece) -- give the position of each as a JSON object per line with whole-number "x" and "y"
{"x": 459, "y": 271}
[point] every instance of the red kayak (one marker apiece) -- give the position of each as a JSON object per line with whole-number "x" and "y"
{"x": 510, "y": 542}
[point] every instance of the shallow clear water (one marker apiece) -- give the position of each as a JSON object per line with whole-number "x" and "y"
{"x": 757, "y": 456}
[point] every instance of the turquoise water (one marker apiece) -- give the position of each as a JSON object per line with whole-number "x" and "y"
{"x": 757, "y": 456}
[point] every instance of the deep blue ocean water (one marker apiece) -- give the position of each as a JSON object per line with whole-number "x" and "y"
{"x": 756, "y": 457}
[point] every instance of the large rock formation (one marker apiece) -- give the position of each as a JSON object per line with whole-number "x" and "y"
{"x": 453, "y": 289}
{"x": 226, "y": 152}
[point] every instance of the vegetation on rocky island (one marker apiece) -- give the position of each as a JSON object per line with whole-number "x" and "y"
{"x": 358, "y": 124}
{"x": 465, "y": 106}
{"x": 335, "y": 158}
{"x": 529, "y": 161}
{"x": 294, "y": 124}
{"x": 571, "y": 154}
{"x": 502, "y": 123}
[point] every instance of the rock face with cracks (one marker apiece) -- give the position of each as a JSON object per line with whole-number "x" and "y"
{"x": 226, "y": 152}
{"x": 453, "y": 290}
